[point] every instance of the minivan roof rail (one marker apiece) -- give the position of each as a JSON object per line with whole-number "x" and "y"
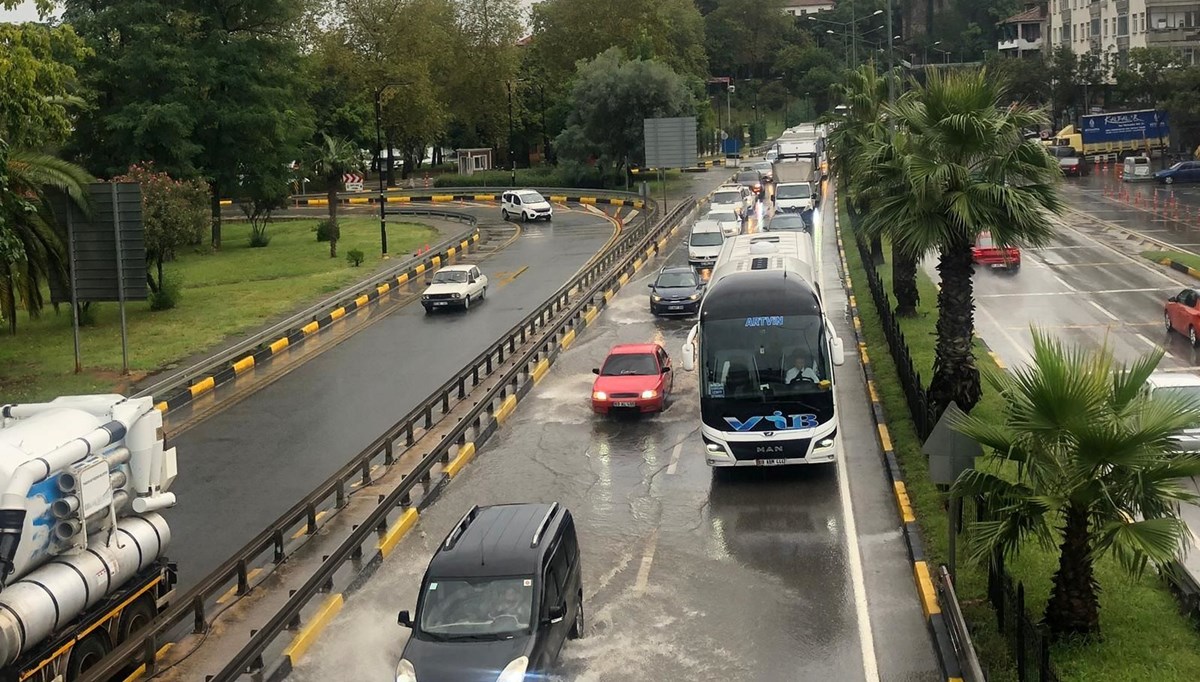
{"x": 460, "y": 527}
{"x": 537, "y": 534}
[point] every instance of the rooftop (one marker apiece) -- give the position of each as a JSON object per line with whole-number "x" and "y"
{"x": 1030, "y": 15}
{"x": 495, "y": 543}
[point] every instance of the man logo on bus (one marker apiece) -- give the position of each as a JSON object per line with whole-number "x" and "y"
{"x": 777, "y": 420}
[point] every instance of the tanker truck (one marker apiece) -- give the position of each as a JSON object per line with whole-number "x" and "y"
{"x": 82, "y": 479}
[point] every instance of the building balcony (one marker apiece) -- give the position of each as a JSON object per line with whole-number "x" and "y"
{"x": 1019, "y": 45}
{"x": 1173, "y": 36}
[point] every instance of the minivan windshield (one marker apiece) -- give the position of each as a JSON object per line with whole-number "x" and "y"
{"x": 531, "y": 198}
{"x": 797, "y": 191}
{"x": 487, "y": 608}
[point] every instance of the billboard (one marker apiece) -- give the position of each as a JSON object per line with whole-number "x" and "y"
{"x": 113, "y": 227}
{"x": 670, "y": 142}
{"x": 1122, "y": 126}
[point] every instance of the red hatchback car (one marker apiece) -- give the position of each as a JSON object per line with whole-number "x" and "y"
{"x": 1182, "y": 314}
{"x": 986, "y": 252}
{"x": 634, "y": 377}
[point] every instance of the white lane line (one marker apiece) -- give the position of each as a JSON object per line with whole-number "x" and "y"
{"x": 1147, "y": 341}
{"x": 1076, "y": 291}
{"x": 674, "y": 458}
{"x": 1016, "y": 343}
{"x": 643, "y": 576}
{"x": 865, "y": 637}
{"x": 1063, "y": 282}
{"x": 1104, "y": 310}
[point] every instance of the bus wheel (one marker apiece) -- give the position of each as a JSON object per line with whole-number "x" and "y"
{"x": 135, "y": 617}
{"x": 87, "y": 653}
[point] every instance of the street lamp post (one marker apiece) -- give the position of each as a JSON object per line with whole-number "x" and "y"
{"x": 383, "y": 245}
{"x": 512, "y": 154}
{"x": 850, "y": 28}
{"x": 891, "y": 65}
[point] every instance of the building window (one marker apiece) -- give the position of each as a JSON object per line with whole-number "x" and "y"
{"x": 1096, "y": 28}
{"x": 479, "y": 162}
{"x": 1122, "y": 26}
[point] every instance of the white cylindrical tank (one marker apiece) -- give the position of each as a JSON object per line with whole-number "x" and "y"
{"x": 51, "y": 596}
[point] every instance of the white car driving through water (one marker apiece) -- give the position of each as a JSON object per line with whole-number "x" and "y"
{"x": 455, "y": 286}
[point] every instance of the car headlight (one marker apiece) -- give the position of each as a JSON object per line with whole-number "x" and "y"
{"x": 649, "y": 394}
{"x": 599, "y": 395}
{"x": 457, "y": 295}
{"x": 515, "y": 671}
{"x": 655, "y": 297}
{"x": 425, "y": 297}
{"x": 694, "y": 297}
{"x": 405, "y": 672}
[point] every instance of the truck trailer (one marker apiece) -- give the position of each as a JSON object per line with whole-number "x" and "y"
{"x": 1123, "y": 133}
{"x": 82, "y": 565}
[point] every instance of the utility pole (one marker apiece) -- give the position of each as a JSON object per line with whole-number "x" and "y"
{"x": 891, "y": 67}
{"x": 512, "y": 157}
{"x": 379, "y": 169}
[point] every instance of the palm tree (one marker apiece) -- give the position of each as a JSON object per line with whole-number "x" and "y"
{"x": 965, "y": 168}
{"x": 330, "y": 159}
{"x": 1095, "y": 468}
{"x": 864, "y": 94}
{"x": 36, "y": 253}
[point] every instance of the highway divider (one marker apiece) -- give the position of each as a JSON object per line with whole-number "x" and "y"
{"x": 562, "y": 195}
{"x": 552, "y": 325}
{"x": 951, "y": 649}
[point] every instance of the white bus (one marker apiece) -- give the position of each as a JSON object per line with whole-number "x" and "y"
{"x": 766, "y": 352}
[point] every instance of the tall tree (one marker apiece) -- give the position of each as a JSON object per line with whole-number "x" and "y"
{"x": 743, "y": 36}
{"x": 1096, "y": 471}
{"x": 37, "y": 67}
{"x": 488, "y": 30}
{"x": 567, "y": 31}
{"x": 611, "y": 98}
{"x": 966, "y": 168}
{"x": 331, "y": 159}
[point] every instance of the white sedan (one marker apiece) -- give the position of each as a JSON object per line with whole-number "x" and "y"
{"x": 455, "y": 286}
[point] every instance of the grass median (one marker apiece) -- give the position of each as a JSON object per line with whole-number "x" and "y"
{"x": 1144, "y": 635}
{"x": 1188, "y": 259}
{"x": 222, "y": 294}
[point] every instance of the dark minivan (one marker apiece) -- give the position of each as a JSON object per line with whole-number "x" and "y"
{"x": 500, "y": 596}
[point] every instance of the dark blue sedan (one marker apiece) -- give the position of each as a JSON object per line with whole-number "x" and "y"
{"x": 676, "y": 291}
{"x": 1184, "y": 171}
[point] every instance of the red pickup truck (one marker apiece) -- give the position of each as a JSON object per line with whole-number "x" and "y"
{"x": 987, "y": 253}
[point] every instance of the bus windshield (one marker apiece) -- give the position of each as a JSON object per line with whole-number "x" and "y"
{"x": 764, "y": 359}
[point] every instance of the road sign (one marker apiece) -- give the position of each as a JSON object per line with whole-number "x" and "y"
{"x": 670, "y": 142}
{"x": 354, "y": 182}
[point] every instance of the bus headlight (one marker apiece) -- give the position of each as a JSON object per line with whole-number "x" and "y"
{"x": 599, "y": 395}
{"x": 649, "y": 394}
{"x": 824, "y": 443}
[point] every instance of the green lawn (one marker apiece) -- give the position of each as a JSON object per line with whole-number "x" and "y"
{"x": 225, "y": 293}
{"x": 1145, "y": 638}
{"x": 1187, "y": 259}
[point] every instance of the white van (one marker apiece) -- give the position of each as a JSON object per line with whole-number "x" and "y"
{"x": 704, "y": 243}
{"x": 794, "y": 197}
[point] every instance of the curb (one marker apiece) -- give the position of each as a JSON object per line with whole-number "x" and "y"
{"x": 443, "y": 198}
{"x": 922, "y": 576}
{"x": 1179, "y": 267}
{"x": 295, "y": 337}
{"x": 466, "y": 452}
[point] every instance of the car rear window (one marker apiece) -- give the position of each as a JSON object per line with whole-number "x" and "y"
{"x": 730, "y": 197}
{"x": 748, "y": 176}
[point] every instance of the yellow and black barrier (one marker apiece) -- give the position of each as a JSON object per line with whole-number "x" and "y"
{"x": 431, "y": 197}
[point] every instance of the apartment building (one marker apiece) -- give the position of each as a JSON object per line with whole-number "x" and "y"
{"x": 801, "y": 8}
{"x": 1112, "y": 27}
{"x": 1024, "y": 33}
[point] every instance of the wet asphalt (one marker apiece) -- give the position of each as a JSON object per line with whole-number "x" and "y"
{"x": 245, "y": 465}
{"x": 749, "y": 576}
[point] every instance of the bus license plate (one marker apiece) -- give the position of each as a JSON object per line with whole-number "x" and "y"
{"x": 770, "y": 462}
{"x": 624, "y": 403}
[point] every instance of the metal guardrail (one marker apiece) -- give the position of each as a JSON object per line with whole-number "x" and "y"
{"x": 960, "y": 634}
{"x": 212, "y": 365}
{"x": 335, "y": 491}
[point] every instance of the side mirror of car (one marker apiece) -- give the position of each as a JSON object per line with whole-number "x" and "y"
{"x": 1173, "y": 299}
{"x": 557, "y": 613}
{"x": 595, "y": 370}
{"x": 838, "y": 351}
{"x": 666, "y": 369}
{"x": 689, "y": 360}
{"x": 405, "y": 619}
{"x": 649, "y": 286}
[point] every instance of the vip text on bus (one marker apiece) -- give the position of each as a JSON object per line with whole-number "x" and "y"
{"x": 766, "y": 352}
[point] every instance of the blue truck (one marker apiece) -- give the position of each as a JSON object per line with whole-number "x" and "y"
{"x": 1124, "y": 133}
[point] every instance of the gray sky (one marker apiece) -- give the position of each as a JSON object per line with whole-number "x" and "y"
{"x": 24, "y": 12}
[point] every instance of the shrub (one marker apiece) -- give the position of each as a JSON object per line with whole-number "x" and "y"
{"x": 259, "y": 237}
{"x": 355, "y": 257}
{"x": 88, "y": 312}
{"x": 582, "y": 177}
{"x": 167, "y": 296}
{"x": 325, "y": 230}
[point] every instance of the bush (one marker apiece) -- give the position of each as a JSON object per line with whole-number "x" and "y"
{"x": 259, "y": 238}
{"x": 355, "y": 257}
{"x": 582, "y": 176}
{"x": 325, "y": 230}
{"x": 88, "y": 312}
{"x": 168, "y": 294}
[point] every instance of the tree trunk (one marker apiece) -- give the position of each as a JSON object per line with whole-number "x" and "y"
{"x": 955, "y": 375}
{"x": 216, "y": 216}
{"x": 877, "y": 251}
{"x": 10, "y": 299}
{"x": 391, "y": 163}
{"x": 1074, "y": 606}
{"x": 904, "y": 283}
{"x": 332, "y": 198}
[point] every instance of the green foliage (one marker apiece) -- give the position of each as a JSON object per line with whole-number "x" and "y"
{"x": 355, "y": 257}
{"x": 37, "y": 68}
{"x": 174, "y": 214}
{"x": 325, "y": 229}
{"x": 166, "y": 295}
{"x": 567, "y": 174}
{"x": 568, "y": 31}
{"x": 1145, "y": 79}
{"x": 1096, "y": 470}
{"x": 743, "y": 36}
{"x": 808, "y": 71}
{"x": 611, "y": 98}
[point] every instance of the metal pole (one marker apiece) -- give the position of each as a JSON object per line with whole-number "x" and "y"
{"x": 891, "y": 66}
{"x": 663, "y": 172}
{"x": 120, "y": 280}
{"x": 379, "y": 168}
{"x": 955, "y": 512}
{"x": 512, "y": 159}
{"x": 854, "y": 33}
{"x": 74, "y": 291}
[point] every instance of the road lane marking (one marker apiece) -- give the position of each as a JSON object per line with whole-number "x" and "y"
{"x": 1088, "y": 293}
{"x": 1063, "y": 282}
{"x": 1005, "y": 333}
{"x": 1098, "y": 325}
{"x": 1136, "y": 260}
{"x": 1147, "y": 341}
{"x": 1104, "y": 310}
{"x": 866, "y": 638}
{"x": 675, "y": 452}
{"x": 643, "y": 576}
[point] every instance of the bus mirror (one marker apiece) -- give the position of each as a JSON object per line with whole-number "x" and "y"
{"x": 689, "y": 360}
{"x": 838, "y": 352}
